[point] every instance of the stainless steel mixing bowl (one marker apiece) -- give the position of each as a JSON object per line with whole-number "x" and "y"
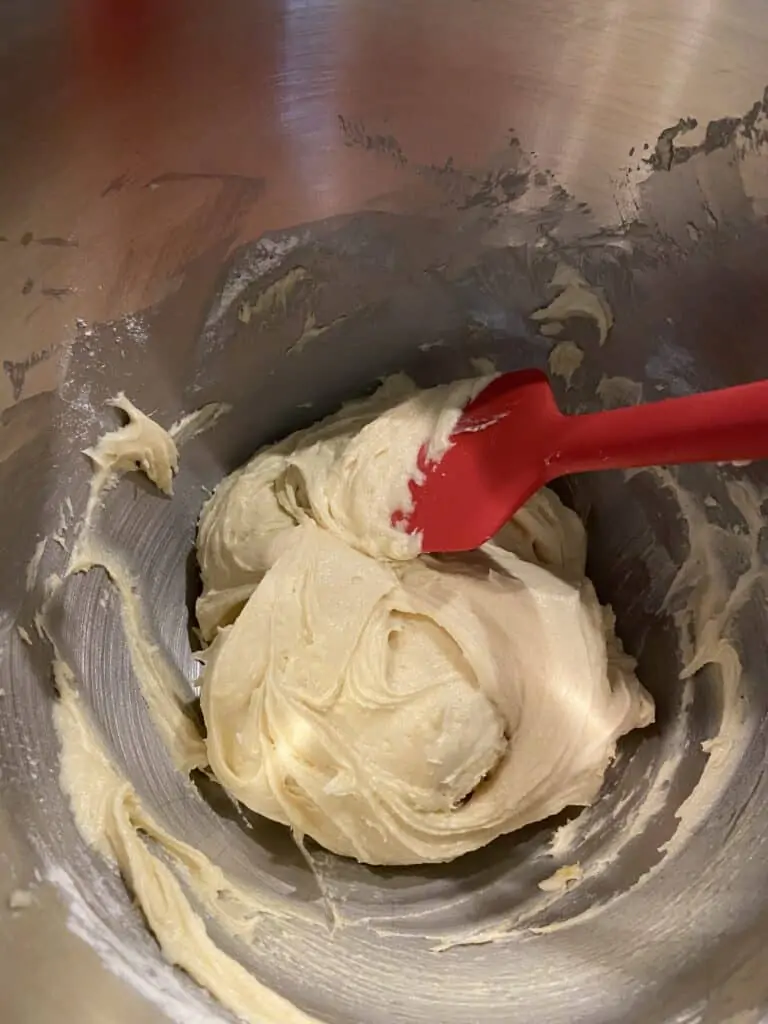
{"x": 426, "y": 165}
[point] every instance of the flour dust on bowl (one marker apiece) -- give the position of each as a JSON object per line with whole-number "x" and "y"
{"x": 190, "y": 294}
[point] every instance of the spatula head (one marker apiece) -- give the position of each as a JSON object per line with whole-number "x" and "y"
{"x": 498, "y": 458}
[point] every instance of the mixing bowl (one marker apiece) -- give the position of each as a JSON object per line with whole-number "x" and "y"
{"x": 272, "y": 204}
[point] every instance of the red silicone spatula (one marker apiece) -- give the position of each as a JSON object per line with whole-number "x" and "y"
{"x": 512, "y": 439}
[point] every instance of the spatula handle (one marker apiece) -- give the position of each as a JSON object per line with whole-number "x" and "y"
{"x": 729, "y": 425}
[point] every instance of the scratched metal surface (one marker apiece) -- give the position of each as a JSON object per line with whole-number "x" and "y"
{"x": 427, "y": 165}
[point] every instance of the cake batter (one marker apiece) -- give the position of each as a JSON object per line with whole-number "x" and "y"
{"x": 399, "y": 708}
{"x": 110, "y": 814}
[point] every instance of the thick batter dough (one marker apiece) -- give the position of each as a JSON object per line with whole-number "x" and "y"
{"x": 400, "y": 708}
{"x": 162, "y": 870}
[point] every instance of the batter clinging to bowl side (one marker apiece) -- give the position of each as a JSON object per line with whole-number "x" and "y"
{"x": 400, "y": 708}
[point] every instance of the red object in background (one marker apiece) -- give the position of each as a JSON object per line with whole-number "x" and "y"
{"x": 116, "y": 37}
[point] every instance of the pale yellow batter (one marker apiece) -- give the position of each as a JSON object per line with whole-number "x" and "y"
{"x": 539, "y": 557}
{"x": 398, "y": 708}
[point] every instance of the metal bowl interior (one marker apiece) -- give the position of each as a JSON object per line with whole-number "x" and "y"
{"x": 391, "y": 235}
